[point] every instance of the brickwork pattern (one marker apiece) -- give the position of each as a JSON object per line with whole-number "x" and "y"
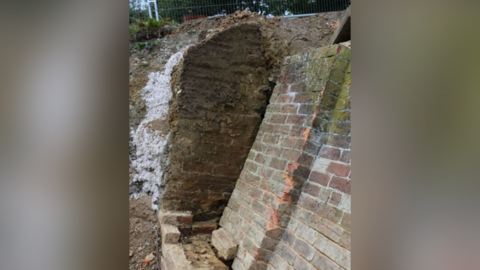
{"x": 291, "y": 205}
{"x": 220, "y": 94}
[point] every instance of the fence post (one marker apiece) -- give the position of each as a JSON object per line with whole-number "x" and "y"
{"x": 156, "y": 9}
{"x": 149, "y": 9}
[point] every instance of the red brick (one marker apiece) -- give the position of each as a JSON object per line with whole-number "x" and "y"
{"x": 298, "y": 87}
{"x": 278, "y": 164}
{"x": 330, "y": 153}
{"x": 345, "y": 240}
{"x": 286, "y": 252}
{"x": 322, "y": 262}
{"x": 288, "y": 142}
{"x": 320, "y": 178}
{"x": 274, "y": 108}
{"x": 341, "y": 184}
{"x": 288, "y": 237}
{"x": 273, "y": 231}
{"x": 270, "y": 139}
{"x": 346, "y": 221}
{"x": 296, "y": 119}
{"x": 306, "y": 98}
{"x": 256, "y": 146}
{"x": 297, "y": 131}
{"x": 335, "y": 198}
{"x": 311, "y": 148}
{"x": 259, "y": 158}
{"x": 303, "y": 172}
{"x": 345, "y": 156}
{"x": 339, "y": 169}
{"x": 273, "y": 98}
{"x": 284, "y": 99}
{"x": 341, "y": 141}
{"x": 304, "y": 249}
{"x": 273, "y": 151}
{"x": 291, "y": 154}
{"x": 281, "y": 88}
{"x": 204, "y": 227}
{"x": 251, "y": 166}
{"x": 282, "y": 129}
{"x": 308, "y": 203}
{"x": 301, "y": 264}
{"x": 290, "y": 108}
{"x": 266, "y": 128}
{"x": 300, "y": 143}
{"x": 290, "y": 78}
{"x": 305, "y": 160}
{"x": 259, "y": 208}
{"x": 329, "y": 212}
{"x": 311, "y": 189}
{"x": 278, "y": 118}
{"x": 264, "y": 255}
{"x": 307, "y": 109}
{"x": 326, "y": 227}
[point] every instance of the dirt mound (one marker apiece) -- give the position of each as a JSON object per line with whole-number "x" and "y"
{"x": 280, "y": 36}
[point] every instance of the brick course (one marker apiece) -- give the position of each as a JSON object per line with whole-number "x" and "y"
{"x": 291, "y": 205}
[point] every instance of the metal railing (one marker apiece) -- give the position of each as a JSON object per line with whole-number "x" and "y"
{"x": 185, "y": 10}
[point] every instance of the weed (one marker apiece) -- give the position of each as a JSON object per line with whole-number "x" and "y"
{"x": 133, "y": 29}
{"x": 174, "y": 23}
{"x": 140, "y": 44}
{"x": 152, "y": 24}
{"x": 164, "y": 62}
{"x": 192, "y": 31}
{"x": 154, "y": 53}
{"x": 144, "y": 64}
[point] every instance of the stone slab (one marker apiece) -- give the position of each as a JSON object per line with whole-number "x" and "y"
{"x": 225, "y": 244}
{"x": 170, "y": 234}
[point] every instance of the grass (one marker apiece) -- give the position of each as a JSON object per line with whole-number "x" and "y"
{"x": 149, "y": 25}
{"x": 133, "y": 29}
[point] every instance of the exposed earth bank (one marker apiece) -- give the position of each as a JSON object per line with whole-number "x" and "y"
{"x": 280, "y": 37}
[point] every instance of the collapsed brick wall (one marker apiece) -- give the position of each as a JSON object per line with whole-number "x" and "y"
{"x": 291, "y": 205}
{"x": 220, "y": 92}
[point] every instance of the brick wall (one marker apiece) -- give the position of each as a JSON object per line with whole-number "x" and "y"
{"x": 220, "y": 93}
{"x": 291, "y": 205}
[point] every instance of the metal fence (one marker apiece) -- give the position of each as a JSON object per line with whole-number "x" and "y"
{"x": 185, "y": 10}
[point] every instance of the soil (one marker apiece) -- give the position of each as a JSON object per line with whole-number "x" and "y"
{"x": 200, "y": 252}
{"x": 220, "y": 92}
{"x": 143, "y": 234}
{"x": 280, "y": 37}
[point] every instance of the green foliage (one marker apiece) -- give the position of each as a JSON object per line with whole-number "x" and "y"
{"x": 144, "y": 64}
{"x": 164, "y": 62}
{"x": 174, "y": 23}
{"x": 152, "y": 24}
{"x": 133, "y": 29}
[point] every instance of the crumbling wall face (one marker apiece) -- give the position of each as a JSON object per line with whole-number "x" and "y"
{"x": 148, "y": 140}
{"x": 291, "y": 205}
{"x": 220, "y": 94}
